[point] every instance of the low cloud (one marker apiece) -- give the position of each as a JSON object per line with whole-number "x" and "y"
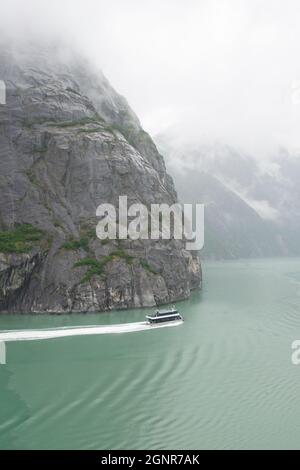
{"x": 226, "y": 70}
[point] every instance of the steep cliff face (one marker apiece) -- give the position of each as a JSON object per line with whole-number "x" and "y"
{"x": 69, "y": 142}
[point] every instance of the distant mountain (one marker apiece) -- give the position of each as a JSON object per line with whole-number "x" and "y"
{"x": 252, "y": 209}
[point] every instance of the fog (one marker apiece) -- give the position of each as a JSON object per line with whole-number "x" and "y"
{"x": 203, "y": 70}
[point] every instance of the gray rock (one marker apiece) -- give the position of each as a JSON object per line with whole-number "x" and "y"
{"x": 69, "y": 142}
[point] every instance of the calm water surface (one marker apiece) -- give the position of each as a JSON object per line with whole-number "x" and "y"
{"x": 224, "y": 379}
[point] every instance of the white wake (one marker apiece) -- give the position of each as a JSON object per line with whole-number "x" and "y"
{"x": 27, "y": 335}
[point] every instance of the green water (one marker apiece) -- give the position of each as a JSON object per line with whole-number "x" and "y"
{"x": 224, "y": 379}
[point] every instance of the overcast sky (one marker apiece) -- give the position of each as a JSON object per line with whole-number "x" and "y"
{"x": 226, "y": 70}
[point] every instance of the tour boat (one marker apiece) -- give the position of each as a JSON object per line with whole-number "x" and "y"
{"x": 161, "y": 316}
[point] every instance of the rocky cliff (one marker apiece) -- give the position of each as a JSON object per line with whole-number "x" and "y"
{"x": 69, "y": 142}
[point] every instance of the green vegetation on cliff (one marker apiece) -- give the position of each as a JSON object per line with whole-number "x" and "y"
{"x": 21, "y": 239}
{"x": 76, "y": 244}
{"x": 96, "y": 268}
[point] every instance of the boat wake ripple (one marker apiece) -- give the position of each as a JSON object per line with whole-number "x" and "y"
{"x": 50, "y": 333}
